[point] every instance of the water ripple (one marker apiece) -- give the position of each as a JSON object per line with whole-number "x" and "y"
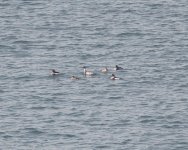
{"x": 146, "y": 109}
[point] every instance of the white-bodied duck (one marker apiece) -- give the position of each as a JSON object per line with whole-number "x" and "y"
{"x": 104, "y": 70}
{"x": 86, "y": 72}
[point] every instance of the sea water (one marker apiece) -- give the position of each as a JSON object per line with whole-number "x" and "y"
{"x": 146, "y": 110}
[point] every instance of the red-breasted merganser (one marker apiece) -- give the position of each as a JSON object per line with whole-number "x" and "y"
{"x": 74, "y": 78}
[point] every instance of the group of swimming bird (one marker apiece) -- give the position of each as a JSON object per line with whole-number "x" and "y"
{"x": 90, "y": 73}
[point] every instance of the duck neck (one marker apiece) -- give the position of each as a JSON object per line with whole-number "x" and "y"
{"x": 84, "y": 70}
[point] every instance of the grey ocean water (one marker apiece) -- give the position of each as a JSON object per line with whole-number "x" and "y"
{"x": 146, "y": 110}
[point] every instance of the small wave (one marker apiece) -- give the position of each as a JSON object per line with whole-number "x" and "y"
{"x": 4, "y": 4}
{"x": 33, "y": 131}
{"x": 69, "y": 135}
{"x": 7, "y": 47}
{"x": 128, "y": 34}
{"x": 121, "y": 123}
{"x": 38, "y": 108}
{"x": 103, "y": 147}
{"x": 148, "y": 121}
{"x": 7, "y": 136}
{"x": 21, "y": 42}
{"x": 115, "y": 97}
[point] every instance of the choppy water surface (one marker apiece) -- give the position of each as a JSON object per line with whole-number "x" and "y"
{"x": 146, "y": 110}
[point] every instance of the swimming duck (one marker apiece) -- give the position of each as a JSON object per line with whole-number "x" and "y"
{"x": 74, "y": 78}
{"x": 113, "y": 77}
{"x": 86, "y": 72}
{"x": 104, "y": 70}
{"x": 118, "y": 68}
{"x": 54, "y": 72}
